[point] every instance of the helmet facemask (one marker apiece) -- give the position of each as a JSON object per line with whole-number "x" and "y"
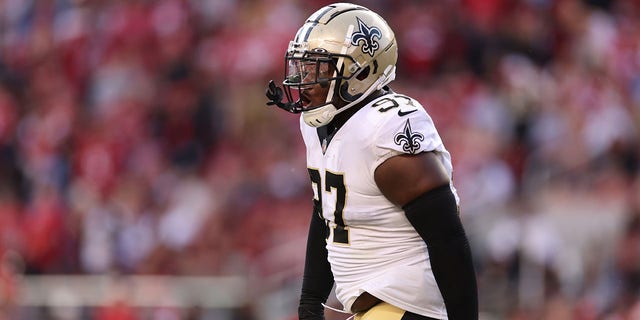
{"x": 305, "y": 69}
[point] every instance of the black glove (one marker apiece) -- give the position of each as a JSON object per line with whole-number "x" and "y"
{"x": 274, "y": 94}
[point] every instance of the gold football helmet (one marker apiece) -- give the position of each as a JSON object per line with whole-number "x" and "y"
{"x": 344, "y": 47}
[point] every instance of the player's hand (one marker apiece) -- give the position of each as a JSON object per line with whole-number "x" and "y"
{"x": 274, "y": 94}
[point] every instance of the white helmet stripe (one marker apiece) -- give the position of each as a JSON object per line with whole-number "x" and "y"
{"x": 305, "y": 31}
{"x": 318, "y": 14}
{"x": 312, "y": 21}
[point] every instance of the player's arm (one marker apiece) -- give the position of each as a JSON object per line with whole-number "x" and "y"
{"x": 419, "y": 184}
{"x": 317, "y": 281}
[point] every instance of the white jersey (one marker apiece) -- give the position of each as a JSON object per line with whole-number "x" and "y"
{"x": 372, "y": 246}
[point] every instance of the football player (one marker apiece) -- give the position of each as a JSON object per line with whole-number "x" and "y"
{"x": 385, "y": 226}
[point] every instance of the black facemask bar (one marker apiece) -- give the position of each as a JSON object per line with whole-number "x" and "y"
{"x": 311, "y": 68}
{"x": 304, "y": 72}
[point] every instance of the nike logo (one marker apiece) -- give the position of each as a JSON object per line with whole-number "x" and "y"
{"x": 404, "y": 113}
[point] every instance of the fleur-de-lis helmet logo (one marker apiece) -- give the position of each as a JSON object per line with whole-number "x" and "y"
{"x": 368, "y": 35}
{"x": 409, "y": 140}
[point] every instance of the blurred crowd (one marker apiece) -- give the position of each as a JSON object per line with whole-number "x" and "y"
{"x": 135, "y": 140}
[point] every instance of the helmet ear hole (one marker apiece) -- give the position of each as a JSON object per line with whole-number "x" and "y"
{"x": 363, "y": 74}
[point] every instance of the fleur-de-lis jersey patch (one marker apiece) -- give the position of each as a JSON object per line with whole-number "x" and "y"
{"x": 367, "y": 34}
{"x": 407, "y": 139}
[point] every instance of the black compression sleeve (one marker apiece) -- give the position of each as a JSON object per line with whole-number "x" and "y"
{"x": 317, "y": 281}
{"x": 435, "y": 217}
